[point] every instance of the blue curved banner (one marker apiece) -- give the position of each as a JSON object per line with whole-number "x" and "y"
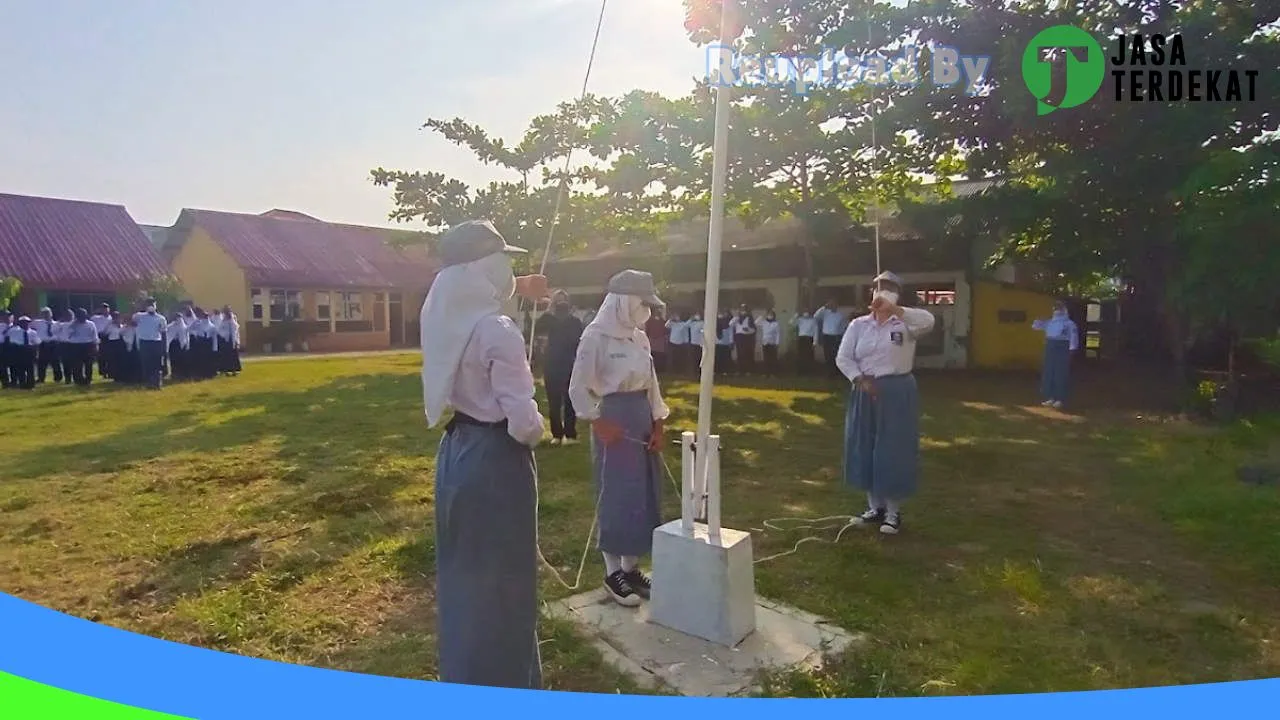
{"x": 47, "y": 648}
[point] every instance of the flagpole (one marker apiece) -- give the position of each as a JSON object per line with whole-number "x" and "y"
{"x": 711, "y": 305}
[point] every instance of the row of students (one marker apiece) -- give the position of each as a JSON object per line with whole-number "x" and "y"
{"x": 142, "y": 349}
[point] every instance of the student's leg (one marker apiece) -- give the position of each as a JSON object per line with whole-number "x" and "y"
{"x": 29, "y": 369}
{"x": 555, "y": 406}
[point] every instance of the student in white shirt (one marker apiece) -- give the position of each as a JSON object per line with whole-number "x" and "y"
{"x": 831, "y": 328}
{"x": 101, "y": 321}
{"x": 202, "y": 355}
{"x": 179, "y": 342}
{"x": 149, "y": 327}
{"x": 81, "y": 347}
{"x": 126, "y": 366}
{"x": 696, "y": 328}
{"x": 724, "y": 343}
{"x": 678, "y": 342}
{"x": 6, "y": 319}
{"x": 615, "y": 386}
{"x": 770, "y": 339}
{"x": 806, "y": 338}
{"x": 882, "y": 418}
{"x": 61, "y": 331}
{"x": 22, "y": 342}
{"x": 47, "y": 353}
{"x": 228, "y": 343}
{"x": 486, "y": 497}
{"x": 744, "y": 340}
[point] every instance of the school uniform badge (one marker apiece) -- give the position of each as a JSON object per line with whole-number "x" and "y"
{"x": 895, "y": 337}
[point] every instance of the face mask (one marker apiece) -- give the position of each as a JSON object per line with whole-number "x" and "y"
{"x": 1059, "y": 314}
{"x": 497, "y": 270}
{"x": 770, "y": 318}
{"x": 641, "y": 315}
{"x": 888, "y": 296}
{"x": 697, "y": 318}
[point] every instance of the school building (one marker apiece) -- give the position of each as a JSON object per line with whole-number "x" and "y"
{"x": 299, "y": 283}
{"x": 72, "y": 254}
{"x": 984, "y": 316}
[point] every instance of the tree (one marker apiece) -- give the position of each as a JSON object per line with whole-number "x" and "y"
{"x": 1102, "y": 187}
{"x": 165, "y": 289}
{"x": 9, "y": 288}
{"x": 522, "y": 208}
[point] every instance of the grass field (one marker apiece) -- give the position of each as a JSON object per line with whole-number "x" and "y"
{"x": 286, "y": 514}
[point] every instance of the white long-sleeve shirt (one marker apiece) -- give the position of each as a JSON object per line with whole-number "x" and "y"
{"x": 679, "y": 332}
{"x": 15, "y": 335}
{"x": 770, "y": 333}
{"x": 606, "y": 365}
{"x": 46, "y": 329}
{"x": 229, "y": 331}
{"x": 831, "y": 322}
{"x": 696, "y": 328}
{"x": 494, "y": 381}
{"x": 874, "y": 349}
{"x": 806, "y": 326}
{"x": 149, "y": 326}
{"x": 177, "y": 330}
{"x": 743, "y": 325}
{"x": 100, "y": 322}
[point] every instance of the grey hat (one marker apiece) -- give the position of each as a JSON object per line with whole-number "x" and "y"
{"x": 888, "y": 277}
{"x": 637, "y": 283}
{"x": 471, "y": 240}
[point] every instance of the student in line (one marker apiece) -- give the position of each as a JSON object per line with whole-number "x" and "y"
{"x": 806, "y": 338}
{"x": 744, "y": 340}
{"x": 61, "y": 334}
{"x": 656, "y": 329}
{"x": 724, "y": 343}
{"x": 228, "y": 343}
{"x": 6, "y": 321}
{"x": 126, "y": 366}
{"x": 149, "y": 327}
{"x": 831, "y": 325}
{"x": 1061, "y": 340}
{"x": 101, "y": 321}
{"x": 563, "y": 331}
{"x": 615, "y": 386}
{"x": 486, "y": 485}
{"x": 677, "y": 344}
{"x": 694, "y": 353}
{"x": 179, "y": 343}
{"x": 82, "y": 347}
{"x": 203, "y": 337}
{"x": 882, "y": 416}
{"x": 23, "y": 343}
{"x": 770, "y": 339}
{"x": 47, "y": 353}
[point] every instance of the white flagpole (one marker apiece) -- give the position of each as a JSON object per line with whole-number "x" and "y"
{"x": 711, "y": 306}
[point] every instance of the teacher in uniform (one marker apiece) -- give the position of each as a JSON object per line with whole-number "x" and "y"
{"x": 882, "y": 417}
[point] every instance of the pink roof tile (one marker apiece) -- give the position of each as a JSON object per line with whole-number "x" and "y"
{"x": 281, "y": 249}
{"x": 73, "y": 245}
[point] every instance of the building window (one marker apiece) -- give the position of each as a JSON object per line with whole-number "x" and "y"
{"x": 936, "y": 294}
{"x": 349, "y": 306}
{"x": 59, "y": 301}
{"x": 286, "y": 304}
{"x": 258, "y": 303}
{"x": 323, "y": 300}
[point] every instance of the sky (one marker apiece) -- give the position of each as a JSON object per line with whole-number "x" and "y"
{"x": 249, "y": 105}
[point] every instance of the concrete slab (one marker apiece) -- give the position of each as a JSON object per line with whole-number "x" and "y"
{"x": 659, "y": 658}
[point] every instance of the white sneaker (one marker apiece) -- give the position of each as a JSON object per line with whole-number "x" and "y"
{"x": 1046, "y": 403}
{"x": 556, "y": 441}
{"x": 892, "y": 524}
{"x": 1056, "y": 405}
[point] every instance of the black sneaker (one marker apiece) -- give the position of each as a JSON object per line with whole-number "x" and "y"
{"x": 870, "y": 517}
{"x": 619, "y": 587}
{"x": 640, "y": 583}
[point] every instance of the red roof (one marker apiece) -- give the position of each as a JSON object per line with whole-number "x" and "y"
{"x": 73, "y": 245}
{"x": 281, "y": 250}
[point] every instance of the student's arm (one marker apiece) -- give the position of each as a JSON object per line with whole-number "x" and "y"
{"x": 1039, "y": 324}
{"x": 1073, "y": 335}
{"x": 583, "y": 378}
{"x": 511, "y": 378}
{"x": 918, "y": 321}
{"x": 660, "y": 409}
{"x": 846, "y": 359}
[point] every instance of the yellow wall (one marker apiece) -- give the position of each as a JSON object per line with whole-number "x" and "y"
{"x": 210, "y": 275}
{"x": 995, "y": 344}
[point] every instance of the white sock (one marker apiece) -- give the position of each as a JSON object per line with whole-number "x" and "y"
{"x": 892, "y": 507}
{"x": 874, "y": 503}
{"x": 629, "y": 562}
{"x": 612, "y": 563}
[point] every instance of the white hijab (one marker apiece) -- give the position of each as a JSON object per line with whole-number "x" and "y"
{"x": 460, "y": 297}
{"x": 622, "y": 317}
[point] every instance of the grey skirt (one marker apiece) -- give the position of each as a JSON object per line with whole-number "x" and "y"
{"x": 882, "y": 439}
{"x": 630, "y": 477}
